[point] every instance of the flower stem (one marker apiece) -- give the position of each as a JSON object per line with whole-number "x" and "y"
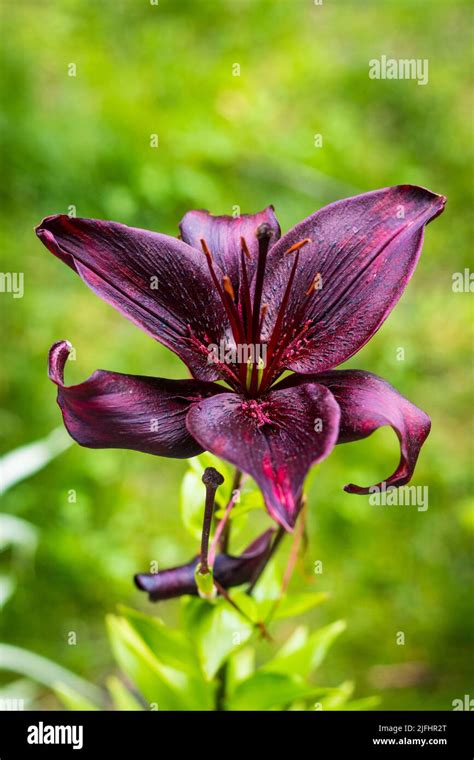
{"x": 221, "y": 687}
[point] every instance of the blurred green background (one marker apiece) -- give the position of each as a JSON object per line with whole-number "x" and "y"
{"x": 226, "y": 141}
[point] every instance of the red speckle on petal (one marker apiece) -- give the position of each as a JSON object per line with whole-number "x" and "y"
{"x": 280, "y": 483}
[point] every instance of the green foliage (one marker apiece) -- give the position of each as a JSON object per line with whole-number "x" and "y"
{"x": 162, "y": 685}
{"x": 44, "y": 671}
{"x": 216, "y": 630}
{"x": 185, "y": 670}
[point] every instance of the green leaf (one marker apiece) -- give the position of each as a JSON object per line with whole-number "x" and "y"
{"x": 8, "y": 585}
{"x": 170, "y": 646}
{"x": 296, "y": 604}
{"x": 241, "y": 667}
{"x": 163, "y": 687}
{"x": 250, "y": 499}
{"x": 268, "y": 586}
{"x": 266, "y": 691}
{"x": 122, "y": 697}
{"x": 45, "y": 671}
{"x": 21, "y": 689}
{"x": 215, "y": 629}
{"x": 367, "y": 703}
{"x": 16, "y": 532}
{"x": 20, "y": 463}
{"x": 297, "y": 640}
{"x": 290, "y": 605}
{"x": 206, "y": 459}
{"x": 72, "y": 700}
{"x": 336, "y": 697}
{"x": 302, "y": 661}
{"x": 246, "y": 603}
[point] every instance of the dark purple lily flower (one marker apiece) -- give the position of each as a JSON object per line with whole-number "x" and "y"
{"x": 311, "y": 299}
{"x": 228, "y": 571}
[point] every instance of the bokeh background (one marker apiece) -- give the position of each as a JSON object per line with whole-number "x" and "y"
{"x": 226, "y": 141}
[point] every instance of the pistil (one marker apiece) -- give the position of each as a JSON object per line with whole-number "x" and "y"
{"x": 247, "y": 315}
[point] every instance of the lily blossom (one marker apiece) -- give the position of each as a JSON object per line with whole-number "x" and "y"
{"x": 309, "y": 300}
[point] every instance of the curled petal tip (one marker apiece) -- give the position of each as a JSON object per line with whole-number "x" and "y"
{"x": 368, "y": 402}
{"x": 44, "y": 235}
{"x": 351, "y": 488}
{"x": 58, "y": 355}
{"x": 42, "y": 230}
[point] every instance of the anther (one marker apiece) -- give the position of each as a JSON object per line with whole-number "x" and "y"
{"x": 315, "y": 285}
{"x": 245, "y": 248}
{"x": 228, "y": 287}
{"x": 297, "y": 246}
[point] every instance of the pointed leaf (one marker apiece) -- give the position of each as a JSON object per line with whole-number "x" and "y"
{"x": 72, "y": 700}
{"x": 266, "y": 691}
{"x": 241, "y": 667}
{"x": 216, "y": 630}
{"x": 171, "y": 647}
{"x": 297, "y": 604}
{"x": 162, "y": 686}
{"x": 122, "y": 697}
{"x": 304, "y": 660}
{"x": 45, "y": 671}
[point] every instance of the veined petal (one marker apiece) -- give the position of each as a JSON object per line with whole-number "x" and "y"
{"x": 362, "y": 253}
{"x": 222, "y": 235}
{"x": 112, "y": 410}
{"x": 368, "y": 402}
{"x": 229, "y": 570}
{"x": 275, "y": 438}
{"x": 159, "y": 282}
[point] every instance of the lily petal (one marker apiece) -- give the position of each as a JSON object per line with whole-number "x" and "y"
{"x": 275, "y": 438}
{"x": 229, "y": 571}
{"x": 364, "y": 250}
{"x": 368, "y": 402}
{"x": 222, "y": 235}
{"x": 112, "y": 410}
{"x": 157, "y": 281}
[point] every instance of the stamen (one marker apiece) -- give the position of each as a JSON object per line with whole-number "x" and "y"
{"x": 288, "y": 335}
{"x": 228, "y": 287}
{"x": 263, "y": 314}
{"x": 228, "y": 304}
{"x": 248, "y": 379}
{"x": 297, "y": 246}
{"x": 206, "y": 250}
{"x": 246, "y": 300}
{"x": 264, "y": 233}
{"x": 245, "y": 248}
{"x": 281, "y": 315}
{"x": 315, "y": 285}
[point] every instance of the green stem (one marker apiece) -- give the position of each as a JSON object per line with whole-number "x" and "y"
{"x": 221, "y": 687}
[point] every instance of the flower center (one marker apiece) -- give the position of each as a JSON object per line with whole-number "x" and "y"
{"x": 257, "y": 363}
